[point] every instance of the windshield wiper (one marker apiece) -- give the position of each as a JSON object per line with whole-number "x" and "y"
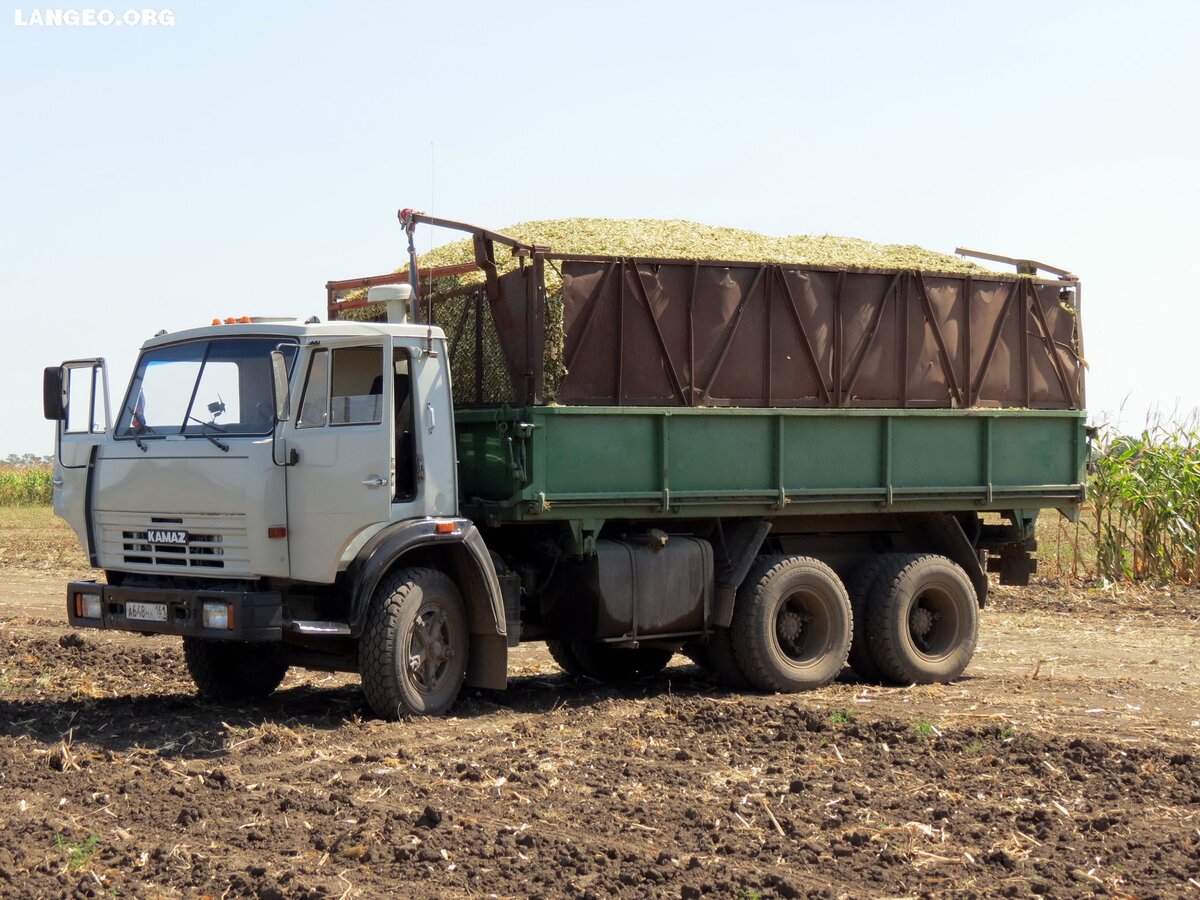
{"x": 220, "y": 445}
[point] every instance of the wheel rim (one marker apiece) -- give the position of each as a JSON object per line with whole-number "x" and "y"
{"x": 802, "y": 628}
{"x": 934, "y": 623}
{"x": 430, "y": 649}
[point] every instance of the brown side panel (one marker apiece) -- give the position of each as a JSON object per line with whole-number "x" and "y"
{"x": 937, "y": 336}
{"x": 994, "y": 380}
{"x": 519, "y": 314}
{"x": 803, "y": 312}
{"x": 591, "y": 342}
{"x": 871, "y": 306}
{"x": 1055, "y": 375}
{"x": 642, "y": 333}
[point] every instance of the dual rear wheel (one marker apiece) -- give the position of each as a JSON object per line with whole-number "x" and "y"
{"x": 916, "y": 619}
{"x": 903, "y": 618}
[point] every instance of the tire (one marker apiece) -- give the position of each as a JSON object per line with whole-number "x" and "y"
{"x": 922, "y": 626}
{"x": 792, "y": 624}
{"x": 227, "y": 671}
{"x": 607, "y": 663}
{"x": 413, "y": 653}
{"x": 861, "y": 586}
{"x": 563, "y": 654}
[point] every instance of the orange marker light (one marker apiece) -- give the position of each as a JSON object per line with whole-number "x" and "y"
{"x": 216, "y": 321}
{"x": 445, "y": 527}
{"x": 277, "y": 531}
{"x": 230, "y": 321}
{"x": 245, "y": 320}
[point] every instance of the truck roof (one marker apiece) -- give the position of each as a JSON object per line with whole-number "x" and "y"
{"x": 294, "y": 328}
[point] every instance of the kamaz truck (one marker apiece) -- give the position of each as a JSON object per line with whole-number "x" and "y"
{"x": 773, "y": 468}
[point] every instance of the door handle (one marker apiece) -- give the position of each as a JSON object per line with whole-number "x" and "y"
{"x": 56, "y": 482}
{"x": 374, "y": 482}
{"x": 432, "y": 418}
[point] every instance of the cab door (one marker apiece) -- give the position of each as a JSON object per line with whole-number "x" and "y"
{"x": 84, "y": 425}
{"x": 342, "y": 429}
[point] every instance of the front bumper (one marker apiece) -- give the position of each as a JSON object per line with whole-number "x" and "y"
{"x": 254, "y": 615}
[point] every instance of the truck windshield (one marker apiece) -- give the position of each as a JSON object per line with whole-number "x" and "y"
{"x": 220, "y": 386}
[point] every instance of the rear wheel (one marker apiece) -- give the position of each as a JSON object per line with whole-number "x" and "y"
{"x": 858, "y": 587}
{"x": 922, "y": 625}
{"x": 229, "y": 670}
{"x": 413, "y": 654}
{"x": 862, "y": 586}
{"x": 792, "y": 624}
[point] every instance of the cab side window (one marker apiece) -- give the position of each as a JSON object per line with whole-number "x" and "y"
{"x": 354, "y": 398}
{"x": 343, "y": 387}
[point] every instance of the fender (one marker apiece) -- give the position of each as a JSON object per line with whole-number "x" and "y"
{"x": 469, "y": 563}
{"x": 947, "y": 534}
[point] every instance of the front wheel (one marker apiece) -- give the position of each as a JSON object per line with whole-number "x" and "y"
{"x": 792, "y": 624}
{"x": 227, "y": 671}
{"x": 413, "y": 653}
{"x": 921, "y": 627}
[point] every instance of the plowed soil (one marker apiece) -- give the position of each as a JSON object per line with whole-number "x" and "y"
{"x": 1065, "y": 763}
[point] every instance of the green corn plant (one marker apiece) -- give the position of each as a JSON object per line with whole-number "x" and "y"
{"x": 1145, "y": 499}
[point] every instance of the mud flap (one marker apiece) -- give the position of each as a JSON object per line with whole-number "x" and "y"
{"x": 487, "y": 665}
{"x": 735, "y": 547}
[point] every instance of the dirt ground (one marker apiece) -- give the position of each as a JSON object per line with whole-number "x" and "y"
{"x": 1066, "y": 763}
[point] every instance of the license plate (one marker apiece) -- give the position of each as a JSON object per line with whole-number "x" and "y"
{"x": 146, "y": 612}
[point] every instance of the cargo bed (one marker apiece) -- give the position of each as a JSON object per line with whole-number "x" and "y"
{"x": 570, "y": 462}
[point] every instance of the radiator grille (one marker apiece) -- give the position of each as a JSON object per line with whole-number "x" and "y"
{"x": 216, "y": 543}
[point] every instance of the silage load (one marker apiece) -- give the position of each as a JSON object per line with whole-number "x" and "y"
{"x": 639, "y": 238}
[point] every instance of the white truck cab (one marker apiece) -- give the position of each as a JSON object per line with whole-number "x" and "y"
{"x": 282, "y": 493}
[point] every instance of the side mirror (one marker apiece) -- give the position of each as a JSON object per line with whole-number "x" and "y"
{"x": 280, "y": 390}
{"x": 54, "y": 398}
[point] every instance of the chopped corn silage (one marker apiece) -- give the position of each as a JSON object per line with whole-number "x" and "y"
{"x": 645, "y": 238}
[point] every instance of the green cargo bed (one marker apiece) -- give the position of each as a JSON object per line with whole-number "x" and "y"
{"x": 546, "y": 463}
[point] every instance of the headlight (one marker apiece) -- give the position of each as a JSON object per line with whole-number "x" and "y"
{"x": 217, "y": 615}
{"x": 87, "y": 606}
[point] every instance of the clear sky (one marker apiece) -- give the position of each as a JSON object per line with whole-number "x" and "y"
{"x": 155, "y": 177}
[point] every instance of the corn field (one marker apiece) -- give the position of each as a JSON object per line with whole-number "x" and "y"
{"x": 25, "y": 486}
{"x": 1144, "y": 515}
